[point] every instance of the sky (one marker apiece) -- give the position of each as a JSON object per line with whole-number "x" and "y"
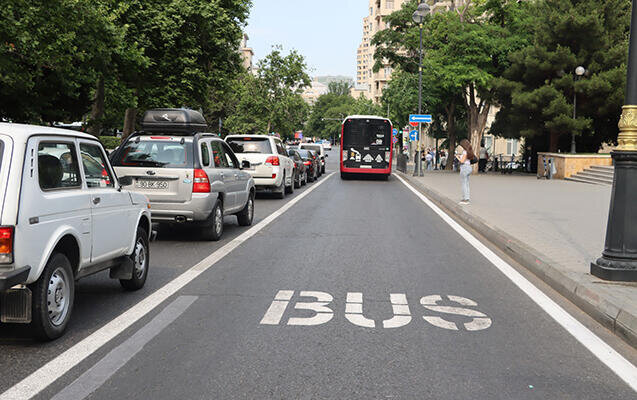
{"x": 326, "y": 32}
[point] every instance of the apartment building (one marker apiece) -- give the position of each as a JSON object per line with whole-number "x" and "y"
{"x": 246, "y": 54}
{"x": 311, "y": 93}
{"x": 374, "y": 82}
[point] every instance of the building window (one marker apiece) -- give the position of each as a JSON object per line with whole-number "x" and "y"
{"x": 389, "y": 4}
{"x": 512, "y": 146}
{"x": 488, "y": 143}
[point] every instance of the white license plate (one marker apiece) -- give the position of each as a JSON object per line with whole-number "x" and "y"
{"x": 151, "y": 185}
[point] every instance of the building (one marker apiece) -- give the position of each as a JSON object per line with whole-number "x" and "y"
{"x": 246, "y": 54}
{"x": 311, "y": 93}
{"x": 373, "y": 23}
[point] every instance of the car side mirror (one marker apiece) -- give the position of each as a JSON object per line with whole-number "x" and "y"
{"x": 245, "y": 164}
{"x": 125, "y": 180}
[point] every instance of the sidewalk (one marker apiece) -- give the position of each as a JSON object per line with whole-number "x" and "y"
{"x": 553, "y": 228}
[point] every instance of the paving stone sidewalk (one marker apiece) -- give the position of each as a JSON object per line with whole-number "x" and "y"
{"x": 554, "y": 228}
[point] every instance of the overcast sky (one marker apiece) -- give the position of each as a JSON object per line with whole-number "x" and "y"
{"x": 326, "y": 32}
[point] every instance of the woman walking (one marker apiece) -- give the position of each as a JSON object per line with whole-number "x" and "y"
{"x": 465, "y": 168}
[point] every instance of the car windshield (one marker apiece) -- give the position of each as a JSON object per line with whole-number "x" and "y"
{"x": 250, "y": 145}
{"x": 305, "y": 153}
{"x": 155, "y": 153}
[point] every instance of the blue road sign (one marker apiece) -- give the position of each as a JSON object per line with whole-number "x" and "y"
{"x": 394, "y": 131}
{"x": 413, "y": 135}
{"x": 424, "y": 118}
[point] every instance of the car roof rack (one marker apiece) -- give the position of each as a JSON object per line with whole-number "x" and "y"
{"x": 174, "y": 121}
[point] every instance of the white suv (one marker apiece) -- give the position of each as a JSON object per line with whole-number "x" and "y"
{"x": 273, "y": 171}
{"x": 63, "y": 216}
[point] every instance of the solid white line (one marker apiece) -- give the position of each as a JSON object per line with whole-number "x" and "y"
{"x": 98, "y": 374}
{"x": 54, "y": 369}
{"x": 623, "y": 368}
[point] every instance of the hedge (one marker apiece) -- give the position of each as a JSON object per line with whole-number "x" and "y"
{"x": 110, "y": 142}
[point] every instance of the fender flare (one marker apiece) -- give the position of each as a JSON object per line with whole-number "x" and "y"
{"x": 54, "y": 240}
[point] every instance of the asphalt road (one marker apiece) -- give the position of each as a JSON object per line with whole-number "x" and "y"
{"x": 376, "y": 258}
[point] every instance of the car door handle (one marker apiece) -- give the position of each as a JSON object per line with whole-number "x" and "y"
{"x": 96, "y": 200}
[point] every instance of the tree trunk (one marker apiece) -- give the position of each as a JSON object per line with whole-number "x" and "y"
{"x": 129, "y": 122}
{"x": 97, "y": 112}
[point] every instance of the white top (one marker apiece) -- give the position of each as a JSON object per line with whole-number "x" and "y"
{"x": 466, "y": 161}
{"x": 429, "y": 157}
{"x": 483, "y": 153}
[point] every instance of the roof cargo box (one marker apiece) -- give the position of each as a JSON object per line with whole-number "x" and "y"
{"x": 173, "y": 120}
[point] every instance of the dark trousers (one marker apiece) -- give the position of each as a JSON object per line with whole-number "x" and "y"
{"x": 482, "y": 164}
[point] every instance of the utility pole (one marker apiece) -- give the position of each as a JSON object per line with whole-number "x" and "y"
{"x": 419, "y": 17}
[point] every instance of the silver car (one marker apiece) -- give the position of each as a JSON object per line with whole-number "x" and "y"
{"x": 191, "y": 179}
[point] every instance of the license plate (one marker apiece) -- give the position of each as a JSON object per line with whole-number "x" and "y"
{"x": 151, "y": 185}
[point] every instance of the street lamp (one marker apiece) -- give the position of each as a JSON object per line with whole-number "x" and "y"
{"x": 619, "y": 258}
{"x": 419, "y": 17}
{"x": 579, "y": 72}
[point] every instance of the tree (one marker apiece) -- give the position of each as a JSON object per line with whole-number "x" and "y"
{"x": 192, "y": 47}
{"x": 270, "y": 101}
{"x": 537, "y": 88}
{"x": 341, "y": 88}
{"x": 53, "y": 56}
{"x": 465, "y": 50}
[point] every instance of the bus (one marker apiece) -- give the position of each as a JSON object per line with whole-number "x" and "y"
{"x": 366, "y": 146}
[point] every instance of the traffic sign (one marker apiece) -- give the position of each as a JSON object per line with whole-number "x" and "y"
{"x": 413, "y": 135}
{"x": 420, "y": 118}
{"x": 414, "y": 124}
{"x": 394, "y": 140}
{"x": 394, "y": 132}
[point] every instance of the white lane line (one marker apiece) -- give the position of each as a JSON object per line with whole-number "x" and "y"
{"x": 99, "y": 373}
{"x": 54, "y": 369}
{"x": 623, "y": 368}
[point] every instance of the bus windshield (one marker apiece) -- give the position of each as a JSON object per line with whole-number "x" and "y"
{"x": 366, "y": 132}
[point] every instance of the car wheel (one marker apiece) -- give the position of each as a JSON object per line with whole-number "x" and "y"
{"x": 304, "y": 180}
{"x": 280, "y": 192}
{"x": 214, "y": 228}
{"x": 323, "y": 170}
{"x": 53, "y": 296}
{"x": 141, "y": 261}
{"x": 245, "y": 216}
{"x": 297, "y": 181}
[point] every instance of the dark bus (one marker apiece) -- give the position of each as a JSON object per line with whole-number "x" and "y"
{"x": 366, "y": 146}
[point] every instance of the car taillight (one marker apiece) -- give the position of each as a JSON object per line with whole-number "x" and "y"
{"x": 307, "y": 163}
{"x": 6, "y": 245}
{"x": 200, "y": 184}
{"x": 105, "y": 176}
{"x": 273, "y": 160}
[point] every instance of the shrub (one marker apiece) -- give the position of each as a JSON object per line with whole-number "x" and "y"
{"x": 110, "y": 142}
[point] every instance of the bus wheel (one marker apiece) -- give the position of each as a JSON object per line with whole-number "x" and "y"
{"x": 344, "y": 176}
{"x": 385, "y": 177}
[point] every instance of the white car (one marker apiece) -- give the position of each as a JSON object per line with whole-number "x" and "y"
{"x": 63, "y": 216}
{"x": 327, "y": 145}
{"x": 273, "y": 171}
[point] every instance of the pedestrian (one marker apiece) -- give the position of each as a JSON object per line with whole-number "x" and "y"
{"x": 429, "y": 160}
{"x": 484, "y": 156}
{"x": 443, "y": 160}
{"x": 465, "y": 169}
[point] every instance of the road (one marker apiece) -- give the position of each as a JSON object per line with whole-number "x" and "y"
{"x": 355, "y": 289}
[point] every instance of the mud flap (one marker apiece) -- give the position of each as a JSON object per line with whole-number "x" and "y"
{"x": 15, "y": 305}
{"x": 123, "y": 270}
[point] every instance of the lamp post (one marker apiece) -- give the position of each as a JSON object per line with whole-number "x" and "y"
{"x": 579, "y": 72}
{"x": 619, "y": 258}
{"x": 419, "y": 17}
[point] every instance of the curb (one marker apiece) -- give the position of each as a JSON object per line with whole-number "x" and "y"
{"x": 570, "y": 285}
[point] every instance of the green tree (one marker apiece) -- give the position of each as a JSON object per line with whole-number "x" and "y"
{"x": 537, "y": 89}
{"x": 270, "y": 101}
{"x": 341, "y": 88}
{"x": 55, "y": 54}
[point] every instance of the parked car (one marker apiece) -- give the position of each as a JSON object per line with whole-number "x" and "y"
{"x": 270, "y": 166}
{"x": 300, "y": 177}
{"x": 190, "y": 177}
{"x": 63, "y": 216}
{"x": 327, "y": 145}
{"x": 319, "y": 150}
{"x": 310, "y": 161}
